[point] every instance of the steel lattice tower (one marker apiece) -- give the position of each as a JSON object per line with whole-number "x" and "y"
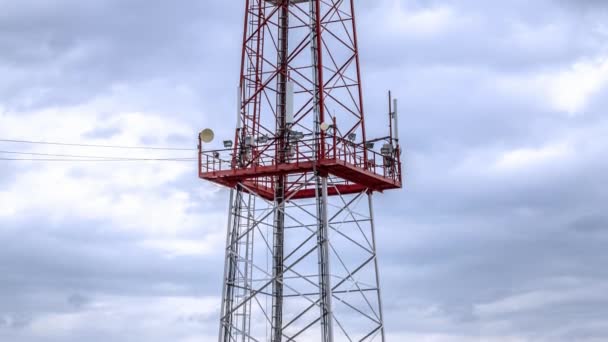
{"x": 301, "y": 259}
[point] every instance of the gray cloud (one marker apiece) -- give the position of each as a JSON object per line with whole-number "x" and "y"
{"x": 468, "y": 250}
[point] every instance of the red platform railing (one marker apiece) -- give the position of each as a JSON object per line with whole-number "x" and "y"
{"x": 259, "y": 160}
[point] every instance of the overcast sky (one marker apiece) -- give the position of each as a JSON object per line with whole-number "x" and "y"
{"x": 500, "y": 235}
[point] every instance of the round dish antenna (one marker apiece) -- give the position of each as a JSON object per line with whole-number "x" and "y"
{"x": 207, "y": 135}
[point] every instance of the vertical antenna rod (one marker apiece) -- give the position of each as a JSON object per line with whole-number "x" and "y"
{"x": 396, "y": 120}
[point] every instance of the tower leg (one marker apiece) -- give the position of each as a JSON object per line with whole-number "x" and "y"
{"x": 325, "y": 292}
{"x": 224, "y": 334}
{"x": 278, "y": 265}
{"x": 282, "y": 129}
{"x": 378, "y": 288}
{"x": 235, "y": 306}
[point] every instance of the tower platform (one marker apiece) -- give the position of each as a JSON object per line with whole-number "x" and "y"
{"x": 356, "y": 168}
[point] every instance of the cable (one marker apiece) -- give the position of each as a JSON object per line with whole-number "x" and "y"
{"x": 94, "y": 160}
{"x": 100, "y": 146}
{"x": 82, "y": 156}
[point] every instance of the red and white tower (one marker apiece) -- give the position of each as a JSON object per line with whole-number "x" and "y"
{"x": 301, "y": 260}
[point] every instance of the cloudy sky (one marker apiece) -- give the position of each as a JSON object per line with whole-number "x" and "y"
{"x": 500, "y": 235}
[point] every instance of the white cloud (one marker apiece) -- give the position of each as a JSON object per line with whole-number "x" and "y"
{"x": 175, "y": 318}
{"x": 542, "y": 299}
{"x": 421, "y": 22}
{"x": 524, "y": 158}
{"x": 426, "y": 21}
{"x": 135, "y": 196}
{"x": 210, "y": 244}
{"x": 570, "y": 90}
{"x": 436, "y": 337}
{"x": 567, "y": 90}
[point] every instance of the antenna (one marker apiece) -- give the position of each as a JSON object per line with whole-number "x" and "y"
{"x": 289, "y": 104}
{"x": 396, "y": 120}
{"x": 207, "y": 135}
{"x": 239, "y": 105}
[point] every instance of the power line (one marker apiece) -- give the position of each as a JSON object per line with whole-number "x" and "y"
{"x": 96, "y": 160}
{"x": 90, "y": 157}
{"x": 95, "y": 145}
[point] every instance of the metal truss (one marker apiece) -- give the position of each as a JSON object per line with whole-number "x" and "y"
{"x": 329, "y": 274}
{"x": 312, "y": 45}
{"x": 301, "y": 262}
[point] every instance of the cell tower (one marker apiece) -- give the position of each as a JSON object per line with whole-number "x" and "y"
{"x": 301, "y": 259}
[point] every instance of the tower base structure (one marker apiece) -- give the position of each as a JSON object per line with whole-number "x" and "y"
{"x": 330, "y": 276}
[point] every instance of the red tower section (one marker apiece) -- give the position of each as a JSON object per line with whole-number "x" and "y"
{"x": 300, "y": 107}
